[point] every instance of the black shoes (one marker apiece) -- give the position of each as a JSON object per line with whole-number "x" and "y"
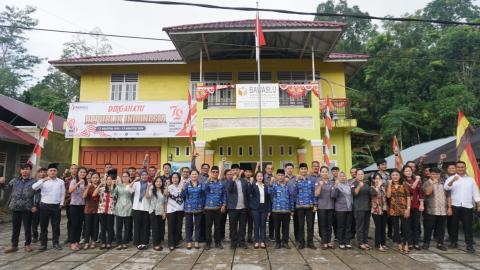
{"x": 453, "y": 245}
{"x": 57, "y": 247}
{"x": 242, "y": 245}
{"x": 219, "y": 245}
{"x": 43, "y": 248}
{"x": 442, "y": 247}
{"x": 278, "y": 246}
{"x": 286, "y": 246}
{"x": 301, "y": 246}
{"x": 426, "y": 246}
{"x": 470, "y": 249}
{"x": 208, "y": 246}
{"x": 311, "y": 246}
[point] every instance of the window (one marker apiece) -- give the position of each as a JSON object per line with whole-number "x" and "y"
{"x": 290, "y": 150}
{"x": 324, "y": 149}
{"x": 177, "y": 151}
{"x": 123, "y": 87}
{"x": 23, "y": 159}
{"x": 3, "y": 163}
{"x": 250, "y": 150}
{"x": 229, "y": 151}
{"x": 240, "y": 151}
{"x": 220, "y": 150}
{"x": 295, "y": 77}
{"x": 334, "y": 149}
{"x": 187, "y": 151}
{"x": 282, "y": 150}
{"x": 250, "y": 76}
{"x": 270, "y": 150}
{"x": 219, "y": 98}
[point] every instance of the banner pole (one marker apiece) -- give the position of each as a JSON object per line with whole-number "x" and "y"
{"x": 260, "y": 143}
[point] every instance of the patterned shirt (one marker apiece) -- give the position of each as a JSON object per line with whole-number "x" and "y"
{"x": 123, "y": 207}
{"x": 215, "y": 195}
{"x": 194, "y": 198}
{"x": 91, "y": 202}
{"x": 436, "y": 202}
{"x": 76, "y": 197}
{"x": 379, "y": 200}
{"x": 22, "y": 194}
{"x": 416, "y": 193}
{"x": 106, "y": 203}
{"x": 305, "y": 193}
{"x": 282, "y": 199}
{"x": 157, "y": 204}
{"x": 398, "y": 201}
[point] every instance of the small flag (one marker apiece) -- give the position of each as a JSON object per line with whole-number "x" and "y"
{"x": 396, "y": 149}
{"x": 259, "y": 37}
{"x": 51, "y": 118}
{"x": 464, "y": 147}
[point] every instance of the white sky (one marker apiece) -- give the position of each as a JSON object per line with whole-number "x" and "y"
{"x": 127, "y": 18}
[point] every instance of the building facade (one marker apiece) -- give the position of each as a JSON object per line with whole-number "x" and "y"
{"x": 209, "y": 56}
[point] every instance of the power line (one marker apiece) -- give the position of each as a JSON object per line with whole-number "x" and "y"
{"x": 320, "y": 14}
{"x": 227, "y": 44}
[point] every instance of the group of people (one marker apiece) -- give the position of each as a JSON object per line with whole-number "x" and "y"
{"x": 113, "y": 210}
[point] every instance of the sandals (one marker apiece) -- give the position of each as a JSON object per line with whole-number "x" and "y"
{"x": 256, "y": 246}
{"x": 158, "y": 248}
{"x": 196, "y": 245}
{"x": 332, "y": 246}
{"x": 262, "y": 245}
{"x": 189, "y": 246}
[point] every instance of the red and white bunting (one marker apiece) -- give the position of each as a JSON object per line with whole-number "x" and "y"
{"x": 37, "y": 150}
{"x": 192, "y": 115}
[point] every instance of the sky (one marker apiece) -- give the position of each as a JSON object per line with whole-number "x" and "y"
{"x": 127, "y": 18}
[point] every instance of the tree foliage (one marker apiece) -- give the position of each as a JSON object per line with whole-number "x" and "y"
{"x": 419, "y": 75}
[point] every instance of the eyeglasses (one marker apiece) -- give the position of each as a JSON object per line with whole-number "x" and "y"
{"x": 214, "y": 171}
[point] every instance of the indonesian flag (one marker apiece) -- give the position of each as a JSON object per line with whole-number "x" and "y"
{"x": 51, "y": 118}
{"x": 395, "y": 148}
{"x": 37, "y": 151}
{"x": 328, "y": 118}
{"x": 259, "y": 37}
{"x": 464, "y": 147}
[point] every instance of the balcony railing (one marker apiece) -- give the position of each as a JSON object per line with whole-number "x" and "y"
{"x": 284, "y": 101}
{"x": 340, "y": 109}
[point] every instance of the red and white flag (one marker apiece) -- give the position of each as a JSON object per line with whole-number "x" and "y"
{"x": 192, "y": 114}
{"x": 51, "y": 118}
{"x": 259, "y": 37}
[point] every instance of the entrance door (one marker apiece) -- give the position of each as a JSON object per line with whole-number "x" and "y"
{"x": 121, "y": 157}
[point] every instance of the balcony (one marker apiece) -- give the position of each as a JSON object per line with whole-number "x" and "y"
{"x": 340, "y": 109}
{"x": 285, "y": 101}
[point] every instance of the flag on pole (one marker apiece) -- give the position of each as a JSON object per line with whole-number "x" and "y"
{"x": 396, "y": 149}
{"x": 328, "y": 128}
{"x": 259, "y": 37}
{"x": 37, "y": 151}
{"x": 465, "y": 151}
{"x": 192, "y": 114}
{"x": 51, "y": 118}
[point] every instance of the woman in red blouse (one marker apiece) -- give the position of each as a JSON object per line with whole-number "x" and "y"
{"x": 414, "y": 184}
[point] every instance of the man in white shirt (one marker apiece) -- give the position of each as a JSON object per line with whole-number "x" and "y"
{"x": 52, "y": 199}
{"x": 464, "y": 193}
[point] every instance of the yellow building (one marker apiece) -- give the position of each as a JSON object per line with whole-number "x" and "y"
{"x": 293, "y": 127}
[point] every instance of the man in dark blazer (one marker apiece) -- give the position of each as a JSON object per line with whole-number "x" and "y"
{"x": 237, "y": 204}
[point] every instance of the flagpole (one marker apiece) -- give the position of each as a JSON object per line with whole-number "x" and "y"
{"x": 260, "y": 144}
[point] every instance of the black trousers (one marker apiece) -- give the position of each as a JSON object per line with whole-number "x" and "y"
{"x": 91, "y": 227}
{"x": 325, "y": 221}
{"x": 249, "y": 226}
{"x": 271, "y": 227}
{"x": 282, "y": 224}
{"x": 435, "y": 224}
{"x": 175, "y": 221}
{"x": 414, "y": 226}
{"x": 380, "y": 225}
{"x": 449, "y": 227}
{"x": 362, "y": 224}
{"x": 122, "y": 229}
{"x": 203, "y": 225}
{"x": 69, "y": 224}
{"x": 35, "y": 223}
{"x": 141, "y": 226}
{"x": 400, "y": 230}
{"x": 17, "y": 218}
{"x": 295, "y": 226}
{"x": 344, "y": 227}
{"x": 238, "y": 224}
{"x": 107, "y": 234}
{"x": 334, "y": 225}
{"x": 465, "y": 215}
{"x": 49, "y": 213}
{"x": 213, "y": 217}
{"x": 77, "y": 217}
{"x": 305, "y": 215}
{"x": 389, "y": 226}
{"x": 223, "y": 223}
{"x": 158, "y": 228}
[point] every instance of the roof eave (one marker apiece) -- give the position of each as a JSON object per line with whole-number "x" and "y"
{"x": 243, "y": 30}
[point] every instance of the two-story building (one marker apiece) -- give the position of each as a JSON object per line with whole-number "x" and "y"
{"x": 136, "y": 103}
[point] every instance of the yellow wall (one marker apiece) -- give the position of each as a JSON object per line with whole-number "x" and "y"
{"x": 172, "y": 82}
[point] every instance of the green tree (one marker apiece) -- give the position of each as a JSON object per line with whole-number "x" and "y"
{"x": 16, "y": 65}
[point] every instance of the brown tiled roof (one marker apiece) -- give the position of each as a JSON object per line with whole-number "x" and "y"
{"x": 342, "y": 56}
{"x": 13, "y": 134}
{"x": 250, "y": 24}
{"x": 143, "y": 57}
{"x": 166, "y": 56}
{"x": 30, "y": 113}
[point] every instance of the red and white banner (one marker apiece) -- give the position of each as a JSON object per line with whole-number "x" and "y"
{"x": 299, "y": 90}
{"x": 202, "y": 91}
{"x": 152, "y": 119}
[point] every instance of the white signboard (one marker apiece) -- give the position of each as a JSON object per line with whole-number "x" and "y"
{"x": 127, "y": 119}
{"x": 247, "y": 96}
